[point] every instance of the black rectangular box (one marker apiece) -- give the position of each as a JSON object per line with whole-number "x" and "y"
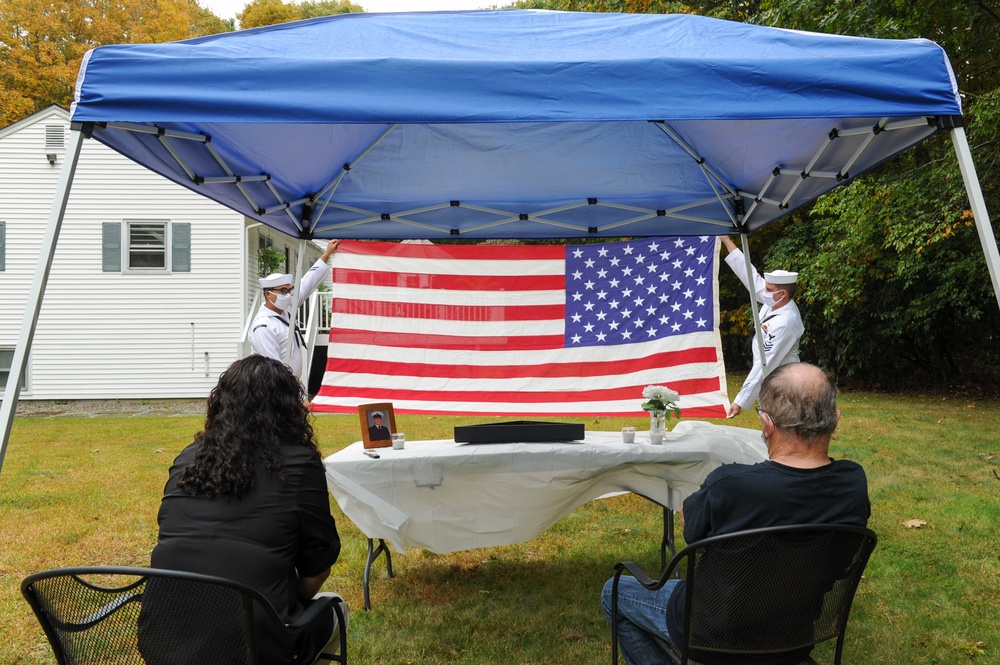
{"x": 518, "y": 431}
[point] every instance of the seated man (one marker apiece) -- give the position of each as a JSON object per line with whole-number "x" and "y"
{"x": 798, "y": 484}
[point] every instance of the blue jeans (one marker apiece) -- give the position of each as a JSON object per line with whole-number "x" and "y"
{"x": 640, "y": 612}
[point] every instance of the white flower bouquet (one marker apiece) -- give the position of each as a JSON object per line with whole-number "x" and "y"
{"x": 661, "y": 398}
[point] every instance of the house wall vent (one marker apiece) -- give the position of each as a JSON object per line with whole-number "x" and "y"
{"x": 55, "y": 138}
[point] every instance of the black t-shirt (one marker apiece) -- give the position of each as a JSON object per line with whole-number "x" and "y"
{"x": 735, "y": 497}
{"x": 265, "y": 539}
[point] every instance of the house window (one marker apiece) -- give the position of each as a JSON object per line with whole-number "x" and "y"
{"x": 266, "y": 242}
{"x": 6, "y": 360}
{"x": 146, "y": 246}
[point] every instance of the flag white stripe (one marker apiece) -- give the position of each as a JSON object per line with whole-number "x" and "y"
{"x": 463, "y": 267}
{"x": 364, "y": 292}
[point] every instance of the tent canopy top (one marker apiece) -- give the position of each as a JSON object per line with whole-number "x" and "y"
{"x": 514, "y": 123}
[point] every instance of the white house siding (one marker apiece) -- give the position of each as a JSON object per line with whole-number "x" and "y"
{"x": 102, "y": 334}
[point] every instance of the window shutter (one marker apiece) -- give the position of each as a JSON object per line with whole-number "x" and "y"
{"x": 3, "y": 246}
{"x": 111, "y": 247}
{"x": 180, "y": 247}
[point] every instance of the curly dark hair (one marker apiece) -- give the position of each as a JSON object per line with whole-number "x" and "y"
{"x": 256, "y": 408}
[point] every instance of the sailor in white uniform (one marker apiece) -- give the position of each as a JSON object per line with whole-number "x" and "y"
{"x": 272, "y": 326}
{"x": 780, "y": 324}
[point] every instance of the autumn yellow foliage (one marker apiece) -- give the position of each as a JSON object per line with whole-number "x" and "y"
{"x": 43, "y": 43}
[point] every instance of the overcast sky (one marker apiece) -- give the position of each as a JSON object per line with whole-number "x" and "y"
{"x": 228, "y": 8}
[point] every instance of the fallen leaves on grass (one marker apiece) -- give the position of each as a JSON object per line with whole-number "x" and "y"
{"x": 915, "y": 524}
{"x": 973, "y": 648}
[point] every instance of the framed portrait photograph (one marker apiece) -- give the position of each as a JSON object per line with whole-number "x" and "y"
{"x": 378, "y": 422}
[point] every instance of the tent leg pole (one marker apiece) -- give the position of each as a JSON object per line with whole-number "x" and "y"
{"x": 296, "y": 301}
{"x": 758, "y": 337}
{"x": 20, "y": 363}
{"x": 978, "y": 203}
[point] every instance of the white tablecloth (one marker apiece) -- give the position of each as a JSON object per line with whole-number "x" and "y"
{"x": 444, "y": 497}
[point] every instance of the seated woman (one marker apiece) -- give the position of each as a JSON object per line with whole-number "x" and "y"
{"x": 248, "y": 501}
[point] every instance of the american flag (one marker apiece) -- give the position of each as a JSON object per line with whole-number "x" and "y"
{"x": 525, "y": 330}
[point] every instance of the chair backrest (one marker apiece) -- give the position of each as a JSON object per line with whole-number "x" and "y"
{"x": 145, "y": 616}
{"x": 772, "y": 590}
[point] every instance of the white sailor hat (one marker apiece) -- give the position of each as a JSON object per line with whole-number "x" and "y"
{"x": 274, "y": 279}
{"x": 781, "y": 277}
{"x": 377, "y": 414}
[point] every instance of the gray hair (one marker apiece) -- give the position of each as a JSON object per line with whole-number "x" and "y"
{"x": 802, "y": 398}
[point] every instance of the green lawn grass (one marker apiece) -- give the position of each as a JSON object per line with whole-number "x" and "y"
{"x": 82, "y": 491}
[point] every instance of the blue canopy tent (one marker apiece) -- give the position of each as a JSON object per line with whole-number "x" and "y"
{"x": 511, "y": 124}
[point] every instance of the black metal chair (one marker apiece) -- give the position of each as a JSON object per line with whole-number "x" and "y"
{"x": 148, "y": 616}
{"x": 777, "y": 591}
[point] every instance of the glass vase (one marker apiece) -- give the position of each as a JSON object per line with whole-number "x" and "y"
{"x": 657, "y": 426}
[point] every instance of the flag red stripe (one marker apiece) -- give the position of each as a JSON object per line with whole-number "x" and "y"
{"x": 543, "y": 370}
{"x": 410, "y": 280}
{"x": 417, "y": 310}
{"x": 453, "y": 342}
{"x": 384, "y": 250}
{"x": 717, "y": 411}
{"x": 685, "y": 387}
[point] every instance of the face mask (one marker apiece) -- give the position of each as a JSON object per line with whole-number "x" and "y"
{"x": 769, "y": 298}
{"x": 283, "y": 301}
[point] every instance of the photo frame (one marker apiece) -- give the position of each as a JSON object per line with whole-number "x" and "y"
{"x": 368, "y": 413}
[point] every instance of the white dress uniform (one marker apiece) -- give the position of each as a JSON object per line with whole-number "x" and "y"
{"x": 781, "y": 329}
{"x": 269, "y": 332}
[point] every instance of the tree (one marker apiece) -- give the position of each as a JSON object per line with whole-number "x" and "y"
{"x": 270, "y": 12}
{"x": 624, "y": 6}
{"x": 329, "y": 8}
{"x": 43, "y": 43}
{"x": 901, "y": 289}
{"x": 897, "y": 289}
